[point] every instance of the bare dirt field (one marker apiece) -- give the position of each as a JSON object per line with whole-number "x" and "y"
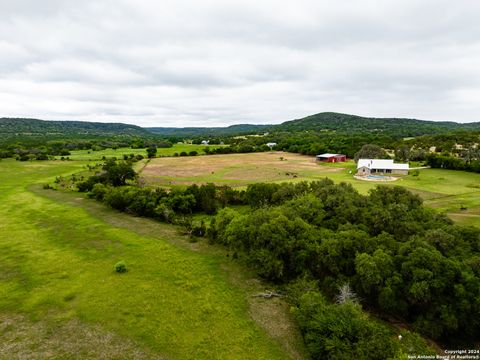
{"x": 233, "y": 169}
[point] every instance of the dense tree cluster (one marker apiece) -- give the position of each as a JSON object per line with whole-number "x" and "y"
{"x": 113, "y": 173}
{"x": 371, "y": 151}
{"x": 111, "y": 186}
{"x": 471, "y": 162}
{"x": 244, "y": 147}
{"x": 24, "y": 149}
{"x": 401, "y": 258}
{"x": 344, "y": 331}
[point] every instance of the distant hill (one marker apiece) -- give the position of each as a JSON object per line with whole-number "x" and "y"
{"x": 353, "y": 124}
{"x": 19, "y": 127}
{"x": 239, "y": 129}
{"x": 332, "y": 122}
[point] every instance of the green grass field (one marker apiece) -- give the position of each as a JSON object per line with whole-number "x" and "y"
{"x": 86, "y": 155}
{"x": 60, "y": 298}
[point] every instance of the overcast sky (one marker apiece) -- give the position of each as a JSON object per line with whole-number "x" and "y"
{"x": 221, "y": 62}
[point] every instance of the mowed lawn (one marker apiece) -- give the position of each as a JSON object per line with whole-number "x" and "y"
{"x": 118, "y": 153}
{"x": 455, "y": 192}
{"x": 60, "y": 298}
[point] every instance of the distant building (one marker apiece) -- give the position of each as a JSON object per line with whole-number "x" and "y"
{"x": 205, "y": 142}
{"x": 380, "y": 166}
{"x": 271, "y": 144}
{"x": 332, "y": 157}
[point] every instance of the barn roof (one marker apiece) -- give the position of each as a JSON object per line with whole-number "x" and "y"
{"x": 381, "y": 164}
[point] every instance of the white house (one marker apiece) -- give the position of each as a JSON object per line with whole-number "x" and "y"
{"x": 380, "y": 166}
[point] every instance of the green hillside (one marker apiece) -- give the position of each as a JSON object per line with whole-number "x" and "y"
{"x": 239, "y": 129}
{"x": 10, "y": 127}
{"x": 353, "y": 124}
{"x": 332, "y": 122}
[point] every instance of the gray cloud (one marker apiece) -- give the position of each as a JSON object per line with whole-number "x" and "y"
{"x": 186, "y": 63}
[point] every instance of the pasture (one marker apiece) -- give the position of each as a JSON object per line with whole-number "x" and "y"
{"x": 455, "y": 192}
{"x": 60, "y": 297}
{"x": 90, "y": 155}
{"x": 233, "y": 169}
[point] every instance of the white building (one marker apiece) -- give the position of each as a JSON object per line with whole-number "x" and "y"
{"x": 380, "y": 166}
{"x": 271, "y": 144}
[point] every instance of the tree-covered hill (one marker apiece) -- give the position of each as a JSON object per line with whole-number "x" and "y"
{"x": 333, "y": 122}
{"x": 239, "y": 129}
{"x": 33, "y": 127}
{"x": 353, "y": 124}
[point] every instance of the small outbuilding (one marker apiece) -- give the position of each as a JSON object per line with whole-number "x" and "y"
{"x": 331, "y": 157}
{"x": 381, "y": 167}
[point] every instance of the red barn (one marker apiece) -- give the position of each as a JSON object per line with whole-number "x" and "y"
{"x": 332, "y": 157}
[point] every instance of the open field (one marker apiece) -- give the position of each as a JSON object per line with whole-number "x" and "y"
{"x": 234, "y": 169}
{"x": 178, "y": 300}
{"x": 85, "y": 155}
{"x": 454, "y": 192}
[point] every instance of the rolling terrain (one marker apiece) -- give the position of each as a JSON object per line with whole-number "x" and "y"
{"x": 38, "y": 131}
{"x": 178, "y": 299}
{"x": 325, "y": 121}
{"x": 333, "y": 122}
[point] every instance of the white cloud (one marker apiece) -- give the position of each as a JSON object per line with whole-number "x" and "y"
{"x": 188, "y": 63}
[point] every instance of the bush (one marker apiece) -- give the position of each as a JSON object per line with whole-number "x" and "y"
{"x": 98, "y": 191}
{"x": 120, "y": 267}
{"x": 342, "y": 331}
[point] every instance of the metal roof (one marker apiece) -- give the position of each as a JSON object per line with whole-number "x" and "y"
{"x": 381, "y": 164}
{"x": 328, "y": 155}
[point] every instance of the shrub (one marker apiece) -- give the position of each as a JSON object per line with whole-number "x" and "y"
{"x": 342, "y": 331}
{"x": 98, "y": 191}
{"x": 120, "y": 267}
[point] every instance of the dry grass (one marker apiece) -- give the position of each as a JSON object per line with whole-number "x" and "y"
{"x": 21, "y": 338}
{"x": 233, "y": 169}
{"x": 274, "y": 317}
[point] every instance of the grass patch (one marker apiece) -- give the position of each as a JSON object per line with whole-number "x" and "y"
{"x": 176, "y": 300}
{"x": 90, "y": 155}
